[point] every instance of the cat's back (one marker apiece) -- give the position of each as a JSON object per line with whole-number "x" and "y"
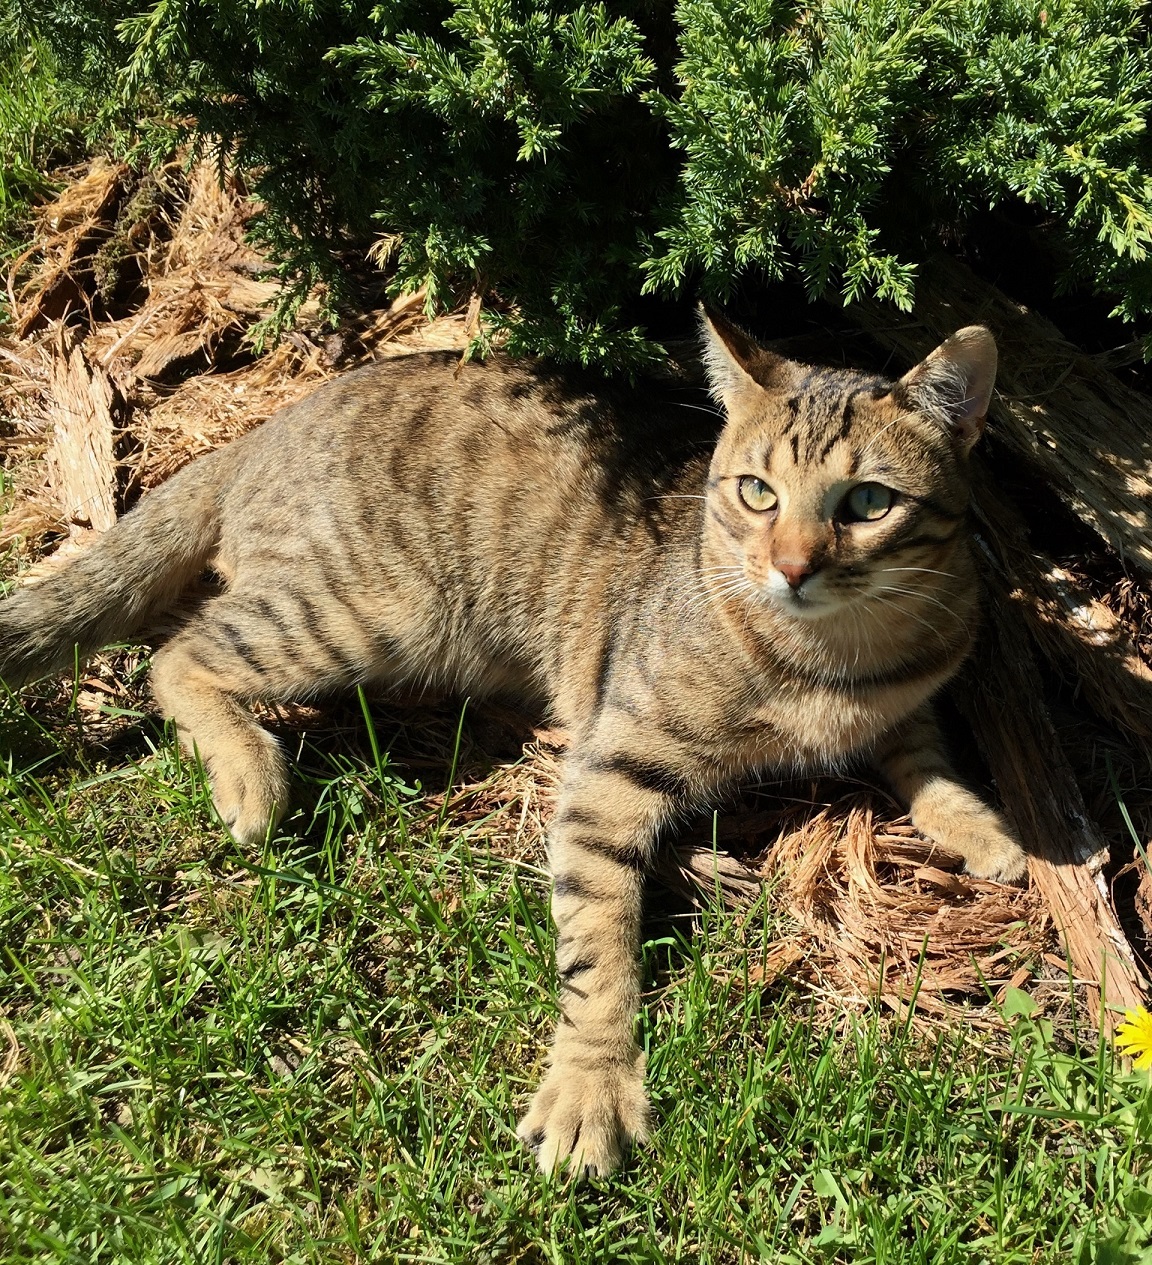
{"x": 485, "y": 523}
{"x": 444, "y": 439}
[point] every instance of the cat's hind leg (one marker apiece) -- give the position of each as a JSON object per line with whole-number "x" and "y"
{"x": 236, "y": 650}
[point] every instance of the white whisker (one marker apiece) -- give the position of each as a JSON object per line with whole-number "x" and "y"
{"x": 927, "y": 571}
{"x": 907, "y": 614}
{"x": 922, "y": 597}
{"x": 700, "y": 408}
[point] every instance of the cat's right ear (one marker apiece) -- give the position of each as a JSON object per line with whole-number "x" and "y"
{"x": 736, "y": 365}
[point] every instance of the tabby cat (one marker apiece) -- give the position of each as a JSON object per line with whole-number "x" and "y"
{"x": 697, "y": 595}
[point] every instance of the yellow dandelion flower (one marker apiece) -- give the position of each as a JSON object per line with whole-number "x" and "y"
{"x": 1134, "y": 1038}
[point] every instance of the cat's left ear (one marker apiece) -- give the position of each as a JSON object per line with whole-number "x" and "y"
{"x": 956, "y": 381}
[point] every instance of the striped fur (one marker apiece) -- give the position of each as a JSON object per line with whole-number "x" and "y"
{"x": 502, "y": 528}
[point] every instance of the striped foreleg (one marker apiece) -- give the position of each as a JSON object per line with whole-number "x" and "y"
{"x": 592, "y": 1101}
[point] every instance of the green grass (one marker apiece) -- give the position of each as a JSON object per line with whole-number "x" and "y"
{"x": 38, "y": 128}
{"x": 318, "y": 1054}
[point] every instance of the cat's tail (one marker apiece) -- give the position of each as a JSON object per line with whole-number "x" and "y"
{"x": 130, "y": 575}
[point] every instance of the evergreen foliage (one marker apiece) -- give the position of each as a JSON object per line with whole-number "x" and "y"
{"x": 571, "y": 157}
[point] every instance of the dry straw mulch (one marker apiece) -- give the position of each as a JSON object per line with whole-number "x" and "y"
{"x": 129, "y": 357}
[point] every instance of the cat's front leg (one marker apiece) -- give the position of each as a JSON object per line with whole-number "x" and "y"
{"x": 592, "y": 1102}
{"x": 914, "y": 761}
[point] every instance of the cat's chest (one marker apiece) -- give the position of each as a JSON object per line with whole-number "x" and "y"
{"x": 812, "y": 726}
{"x": 791, "y": 719}
{"x": 802, "y": 729}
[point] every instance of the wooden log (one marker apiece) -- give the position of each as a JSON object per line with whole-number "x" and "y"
{"x": 71, "y": 229}
{"x": 1002, "y": 695}
{"x": 1086, "y": 432}
{"x": 1077, "y": 633}
{"x": 82, "y": 468}
{"x": 697, "y": 872}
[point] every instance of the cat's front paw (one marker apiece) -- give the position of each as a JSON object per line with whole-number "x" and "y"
{"x": 1001, "y": 860}
{"x": 987, "y": 846}
{"x": 585, "y": 1116}
{"x": 249, "y": 790}
{"x": 247, "y": 817}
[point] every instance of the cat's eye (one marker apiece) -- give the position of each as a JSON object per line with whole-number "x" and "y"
{"x": 756, "y": 494}
{"x": 866, "y": 503}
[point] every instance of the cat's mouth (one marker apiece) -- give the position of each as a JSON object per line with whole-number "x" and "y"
{"x": 807, "y": 600}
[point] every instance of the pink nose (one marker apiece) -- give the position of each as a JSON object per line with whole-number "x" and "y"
{"x": 794, "y": 572}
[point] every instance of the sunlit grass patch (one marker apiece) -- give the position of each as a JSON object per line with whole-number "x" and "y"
{"x": 318, "y": 1052}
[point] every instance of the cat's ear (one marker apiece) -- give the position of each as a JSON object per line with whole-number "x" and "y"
{"x": 956, "y": 382}
{"x": 736, "y": 364}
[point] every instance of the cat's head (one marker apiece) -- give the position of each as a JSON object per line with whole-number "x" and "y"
{"x": 828, "y": 487}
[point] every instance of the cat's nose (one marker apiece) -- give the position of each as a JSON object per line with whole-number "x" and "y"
{"x": 794, "y": 572}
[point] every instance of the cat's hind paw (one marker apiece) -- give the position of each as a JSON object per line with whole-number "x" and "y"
{"x": 584, "y": 1117}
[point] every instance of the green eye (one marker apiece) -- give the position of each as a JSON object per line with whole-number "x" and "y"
{"x": 867, "y": 502}
{"x": 756, "y": 494}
